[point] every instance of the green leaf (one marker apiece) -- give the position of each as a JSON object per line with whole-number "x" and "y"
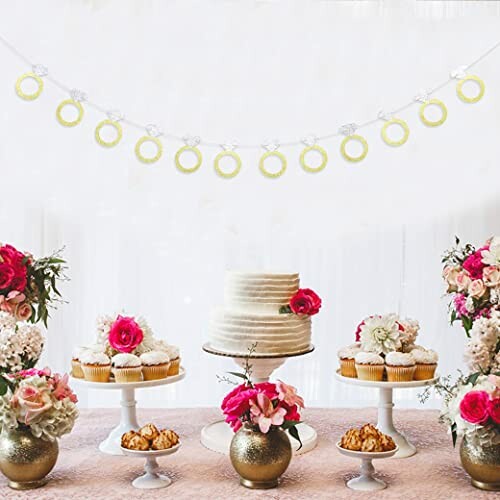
{"x": 453, "y": 316}
{"x": 295, "y": 434}
{"x": 454, "y": 434}
{"x": 472, "y": 378}
{"x": 240, "y": 375}
{"x": 285, "y": 310}
{"x": 3, "y": 386}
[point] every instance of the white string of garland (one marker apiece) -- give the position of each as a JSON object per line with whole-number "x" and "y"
{"x": 153, "y": 133}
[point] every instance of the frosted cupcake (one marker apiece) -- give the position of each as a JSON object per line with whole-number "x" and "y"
{"x": 369, "y": 366}
{"x": 96, "y": 366}
{"x": 400, "y": 366}
{"x": 126, "y": 368}
{"x": 175, "y": 360}
{"x": 426, "y": 364}
{"x": 346, "y": 358}
{"x": 155, "y": 365}
{"x": 414, "y": 347}
{"x": 76, "y": 365}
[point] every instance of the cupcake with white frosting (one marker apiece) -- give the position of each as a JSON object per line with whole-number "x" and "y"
{"x": 369, "y": 366}
{"x": 400, "y": 366}
{"x": 96, "y": 366}
{"x": 175, "y": 360}
{"x": 155, "y": 365}
{"x": 127, "y": 367}
{"x": 346, "y": 358}
{"x": 426, "y": 364}
{"x": 76, "y": 365}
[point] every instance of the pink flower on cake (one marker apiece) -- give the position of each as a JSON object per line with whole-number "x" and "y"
{"x": 474, "y": 407}
{"x": 463, "y": 281}
{"x": 494, "y": 410}
{"x": 477, "y": 289}
{"x": 305, "y": 301}
{"x": 288, "y": 394}
{"x": 474, "y": 263}
{"x": 125, "y": 334}
{"x": 23, "y": 311}
{"x": 264, "y": 414}
{"x": 31, "y": 402}
{"x": 491, "y": 276}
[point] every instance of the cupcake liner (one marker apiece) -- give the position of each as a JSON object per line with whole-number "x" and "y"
{"x": 128, "y": 374}
{"x": 96, "y": 373}
{"x": 174, "y": 367}
{"x": 348, "y": 368}
{"x": 155, "y": 372}
{"x": 76, "y": 369}
{"x": 400, "y": 373}
{"x": 370, "y": 372}
{"x": 424, "y": 372}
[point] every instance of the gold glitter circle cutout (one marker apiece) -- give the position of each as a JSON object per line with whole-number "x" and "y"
{"x": 148, "y": 138}
{"x": 237, "y": 167}
{"x": 77, "y": 120}
{"x": 195, "y": 167}
{"x": 116, "y": 140}
{"x": 440, "y": 105}
{"x": 321, "y": 151}
{"x": 262, "y": 166}
{"x": 397, "y": 122}
{"x": 470, "y": 78}
{"x": 359, "y": 139}
{"x": 21, "y": 93}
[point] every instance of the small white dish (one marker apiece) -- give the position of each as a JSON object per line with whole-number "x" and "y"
{"x": 365, "y": 481}
{"x": 152, "y": 478}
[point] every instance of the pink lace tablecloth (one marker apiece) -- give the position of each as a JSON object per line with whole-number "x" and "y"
{"x": 82, "y": 472}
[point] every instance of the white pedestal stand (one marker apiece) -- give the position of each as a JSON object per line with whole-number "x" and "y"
{"x": 128, "y": 416}
{"x": 218, "y": 435}
{"x": 385, "y": 421}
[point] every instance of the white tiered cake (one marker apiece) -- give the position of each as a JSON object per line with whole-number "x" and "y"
{"x": 251, "y": 316}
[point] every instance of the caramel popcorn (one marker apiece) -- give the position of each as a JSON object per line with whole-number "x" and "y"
{"x": 367, "y": 439}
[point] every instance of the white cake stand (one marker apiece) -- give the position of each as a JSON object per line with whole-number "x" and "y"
{"x": 152, "y": 479}
{"x": 128, "y": 417}
{"x": 218, "y": 435}
{"x": 365, "y": 481}
{"x": 385, "y": 422}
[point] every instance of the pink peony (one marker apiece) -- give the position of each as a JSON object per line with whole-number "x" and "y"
{"x": 494, "y": 410}
{"x": 289, "y": 395}
{"x": 31, "y": 401}
{"x": 474, "y": 263}
{"x": 264, "y": 413}
{"x": 23, "y": 311}
{"x": 474, "y": 407}
{"x": 125, "y": 334}
{"x": 305, "y": 301}
{"x": 6, "y": 275}
{"x": 11, "y": 256}
{"x": 236, "y": 404}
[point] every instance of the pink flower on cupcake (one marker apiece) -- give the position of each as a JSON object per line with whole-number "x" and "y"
{"x": 125, "y": 334}
{"x": 474, "y": 407}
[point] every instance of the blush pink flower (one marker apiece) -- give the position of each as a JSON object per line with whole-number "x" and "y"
{"x": 495, "y": 380}
{"x": 125, "y": 334}
{"x": 264, "y": 414}
{"x": 474, "y": 407}
{"x": 46, "y": 372}
{"x": 288, "y": 394}
{"x": 62, "y": 390}
{"x": 491, "y": 276}
{"x": 31, "y": 402}
{"x": 463, "y": 281}
{"x": 23, "y": 311}
{"x": 477, "y": 289}
{"x": 474, "y": 263}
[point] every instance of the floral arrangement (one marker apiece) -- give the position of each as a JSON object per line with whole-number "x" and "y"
{"x": 40, "y": 400}
{"x": 28, "y": 285}
{"x": 304, "y": 302}
{"x": 264, "y": 405}
{"x": 473, "y": 280}
{"x": 382, "y": 334}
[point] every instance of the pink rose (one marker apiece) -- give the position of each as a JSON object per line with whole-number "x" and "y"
{"x": 474, "y": 407}
{"x": 23, "y": 311}
{"x": 477, "y": 288}
{"x": 6, "y": 275}
{"x": 494, "y": 410}
{"x": 236, "y": 404}
{"x": 305, "y": 301}
{"x": 491, "y": 276}
{"x": 15, "y": 297}
{"x": 463, "y": 281}
{"x": 10, "y": 255}
{"x": 125, "y": 334}
{"x": 31, "y": 401}
{"x": 450, "y": 275}
{"x": 474, "y": 264}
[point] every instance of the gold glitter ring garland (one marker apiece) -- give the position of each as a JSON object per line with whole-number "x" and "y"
{"x": 154, "y": 140}
{"x": 385, "y": 132}
{"x": 440, "y": 105}
{"x": 470, "y": 78}
{"x": 110, "y": 123}
{"x": 69, "y": 102}
{"x": 235, "y": 157}
{"x": 266, "y": 172}
{"x": 361, "y": 140}
{"x": 321, "y": 151}
{"x": 195, "y": 167}
{"x": 24, "y": 95}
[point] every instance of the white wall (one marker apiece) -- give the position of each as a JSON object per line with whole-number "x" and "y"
{"x": 156, "y": 242}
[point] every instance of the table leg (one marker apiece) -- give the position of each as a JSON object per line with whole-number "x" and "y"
{"x": 386, "y": 425}
{"x": 128, "y": 421}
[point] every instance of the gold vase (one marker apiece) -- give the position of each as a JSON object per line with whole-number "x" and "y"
{"x": 260, "y": 459}
{"x": 482, "y": 463}
{"x": 25, "y": 459}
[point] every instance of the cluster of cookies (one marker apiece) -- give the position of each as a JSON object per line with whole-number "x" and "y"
{"x": 367, "y": 439}
{"x": 149, "y": 438}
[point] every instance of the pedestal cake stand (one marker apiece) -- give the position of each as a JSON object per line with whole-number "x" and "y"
{"x": 217, "y": 436}
{"x": 385, "y": 422}
{"x": 128, "y": 417}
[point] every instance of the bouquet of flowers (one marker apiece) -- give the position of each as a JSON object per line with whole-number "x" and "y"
{"x": 264, "y": 405}
{"x": 473, "y": 280}
{"x": 40, "y": 400}
{"x": 28, "y": 285}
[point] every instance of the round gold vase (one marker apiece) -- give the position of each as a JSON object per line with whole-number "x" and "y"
{"x": 482, "y": 463}
{"x": 25, "y": 459}
{"x": 260, "y": 459}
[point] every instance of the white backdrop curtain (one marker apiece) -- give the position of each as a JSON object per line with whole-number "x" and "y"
{"x": 152, "y": 241}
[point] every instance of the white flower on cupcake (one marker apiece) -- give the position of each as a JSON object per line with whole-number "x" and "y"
{"x": 380, "y": 334}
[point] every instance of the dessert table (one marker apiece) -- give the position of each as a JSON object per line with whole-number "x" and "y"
{"x": 83, "y": 472}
